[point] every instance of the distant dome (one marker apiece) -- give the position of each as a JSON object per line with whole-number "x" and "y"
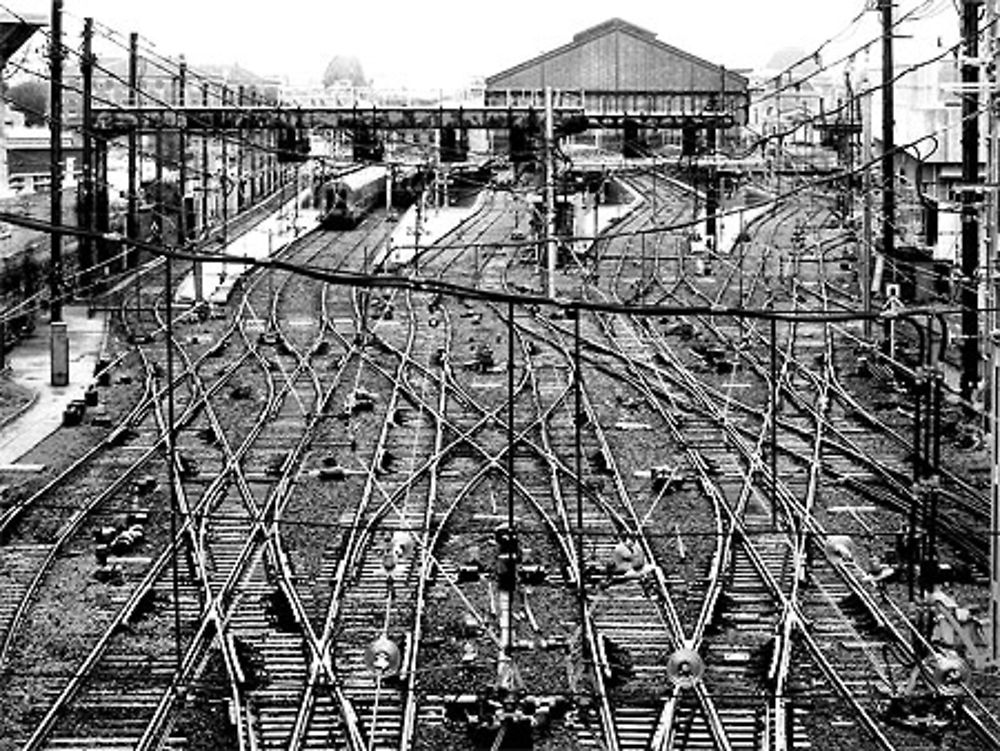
{"x": 344, "y": 68}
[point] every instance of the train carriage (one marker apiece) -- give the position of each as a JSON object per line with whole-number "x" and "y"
{"x": 344, "y": 201}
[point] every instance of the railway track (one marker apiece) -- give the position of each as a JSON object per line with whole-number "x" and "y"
{"x": 400, "y": 520}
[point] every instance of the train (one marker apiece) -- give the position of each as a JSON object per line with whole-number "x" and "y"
{"x": 346, "y": 199}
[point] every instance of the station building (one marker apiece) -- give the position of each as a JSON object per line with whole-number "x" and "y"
{"x": 618, "y": 66}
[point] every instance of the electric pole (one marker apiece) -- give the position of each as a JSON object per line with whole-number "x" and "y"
{"x": 182, "y": 228}
{"x": 240, "y": 155}
{"x": 206, "y": 181}
{"x": 994, "y": 345}
{"x": 224, "y": 180}
{"x": 865, "y": 272}
{"x": 86, "y": 253}
{"x": 58, "y": 337}
{"x": 888, "y": 144}
{"x": 55, "y": 163}
{"x": 550, "y": 190}
{"x": 969, "y": 296}
{"x": 132, "y": 215}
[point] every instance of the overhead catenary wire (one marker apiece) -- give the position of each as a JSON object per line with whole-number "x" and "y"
{"x": 782, "y": 134}
{"x": 346, "y": 278}
{"x": 825, "y": 67}
{"x": 43, "y": 226}
{"x": 146, "y": 94}
{"x": 676, "y": 225}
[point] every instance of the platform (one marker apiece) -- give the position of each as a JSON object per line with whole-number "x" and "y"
{"x": 30, "y": 366}
{"x": 270, "y": 235}
{"x": 436, "y": 222}
{"x": 30, "y": 360}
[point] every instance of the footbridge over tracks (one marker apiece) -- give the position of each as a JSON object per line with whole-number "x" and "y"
{"x": 615, "y": 163}
{"x": 569, "y": 115}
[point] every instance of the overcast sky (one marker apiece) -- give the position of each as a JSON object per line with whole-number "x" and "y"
{"x": 444, "y": 43}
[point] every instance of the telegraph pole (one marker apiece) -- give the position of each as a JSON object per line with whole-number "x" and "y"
{"x": 865, "y": 271}
{"x": 182, "y": 228}
{"x": 225, "y": 179}
{"x": 86, "y": 254}
{"x": 994, "y": 346}
{"x": 199, "y": 284}
{"x": 55, "y": 165}
{"x": 132, "y": 217}
{"x": 888, "y": 144}
{"x": 969, "y": 297}
{"x": 58, "y": 338}
{"x": 550, "y": 191}
{"x": 252, "y": 138}
{"x": 851, "y": 109}
{"x": 240, "y": 156}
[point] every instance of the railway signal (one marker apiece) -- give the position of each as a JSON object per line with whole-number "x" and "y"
{"x": 685, "y": 668}
{"x": 382, "y": 657}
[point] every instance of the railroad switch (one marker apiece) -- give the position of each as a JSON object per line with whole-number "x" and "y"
{"x": 240, "y": 393}
{"x": 931, "y": 713}
{"x": 471, "y": 627}
{"x": 188, "y": 467}
{"x": 105, "y": 534}
{"x": 102, "y": 370}
{"x": 599, "y": 462}
{"x": 386, "y": 460}
{"x": 532, "y": 574}
{"x": 127, "y": 540}
{"x": 628, "y": 556}
{"x": 666, "y": 479}
{"x": 360, "y": 400}
{"x": 469, "y": 572}
{"x": 685, "y": 331}
{"x": 471, "y": 568}
{"x": 482, "y": 360}
{"x": 208, "y": 435}
{"x": 403, "y": 543}
{"x": 279, "y": 610}
{"x": 145, "y": 485}
{"x": 120, "y": 539}
{"x": 332, "y": 472}
{"x": 469, "y": 654}
{"x": 958, "y": 628}
{"x": 389, "y": 563}
{"x": 276, "y": 464}
{"x": 503, "y": 719}
{"x": 110, "y": 573}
